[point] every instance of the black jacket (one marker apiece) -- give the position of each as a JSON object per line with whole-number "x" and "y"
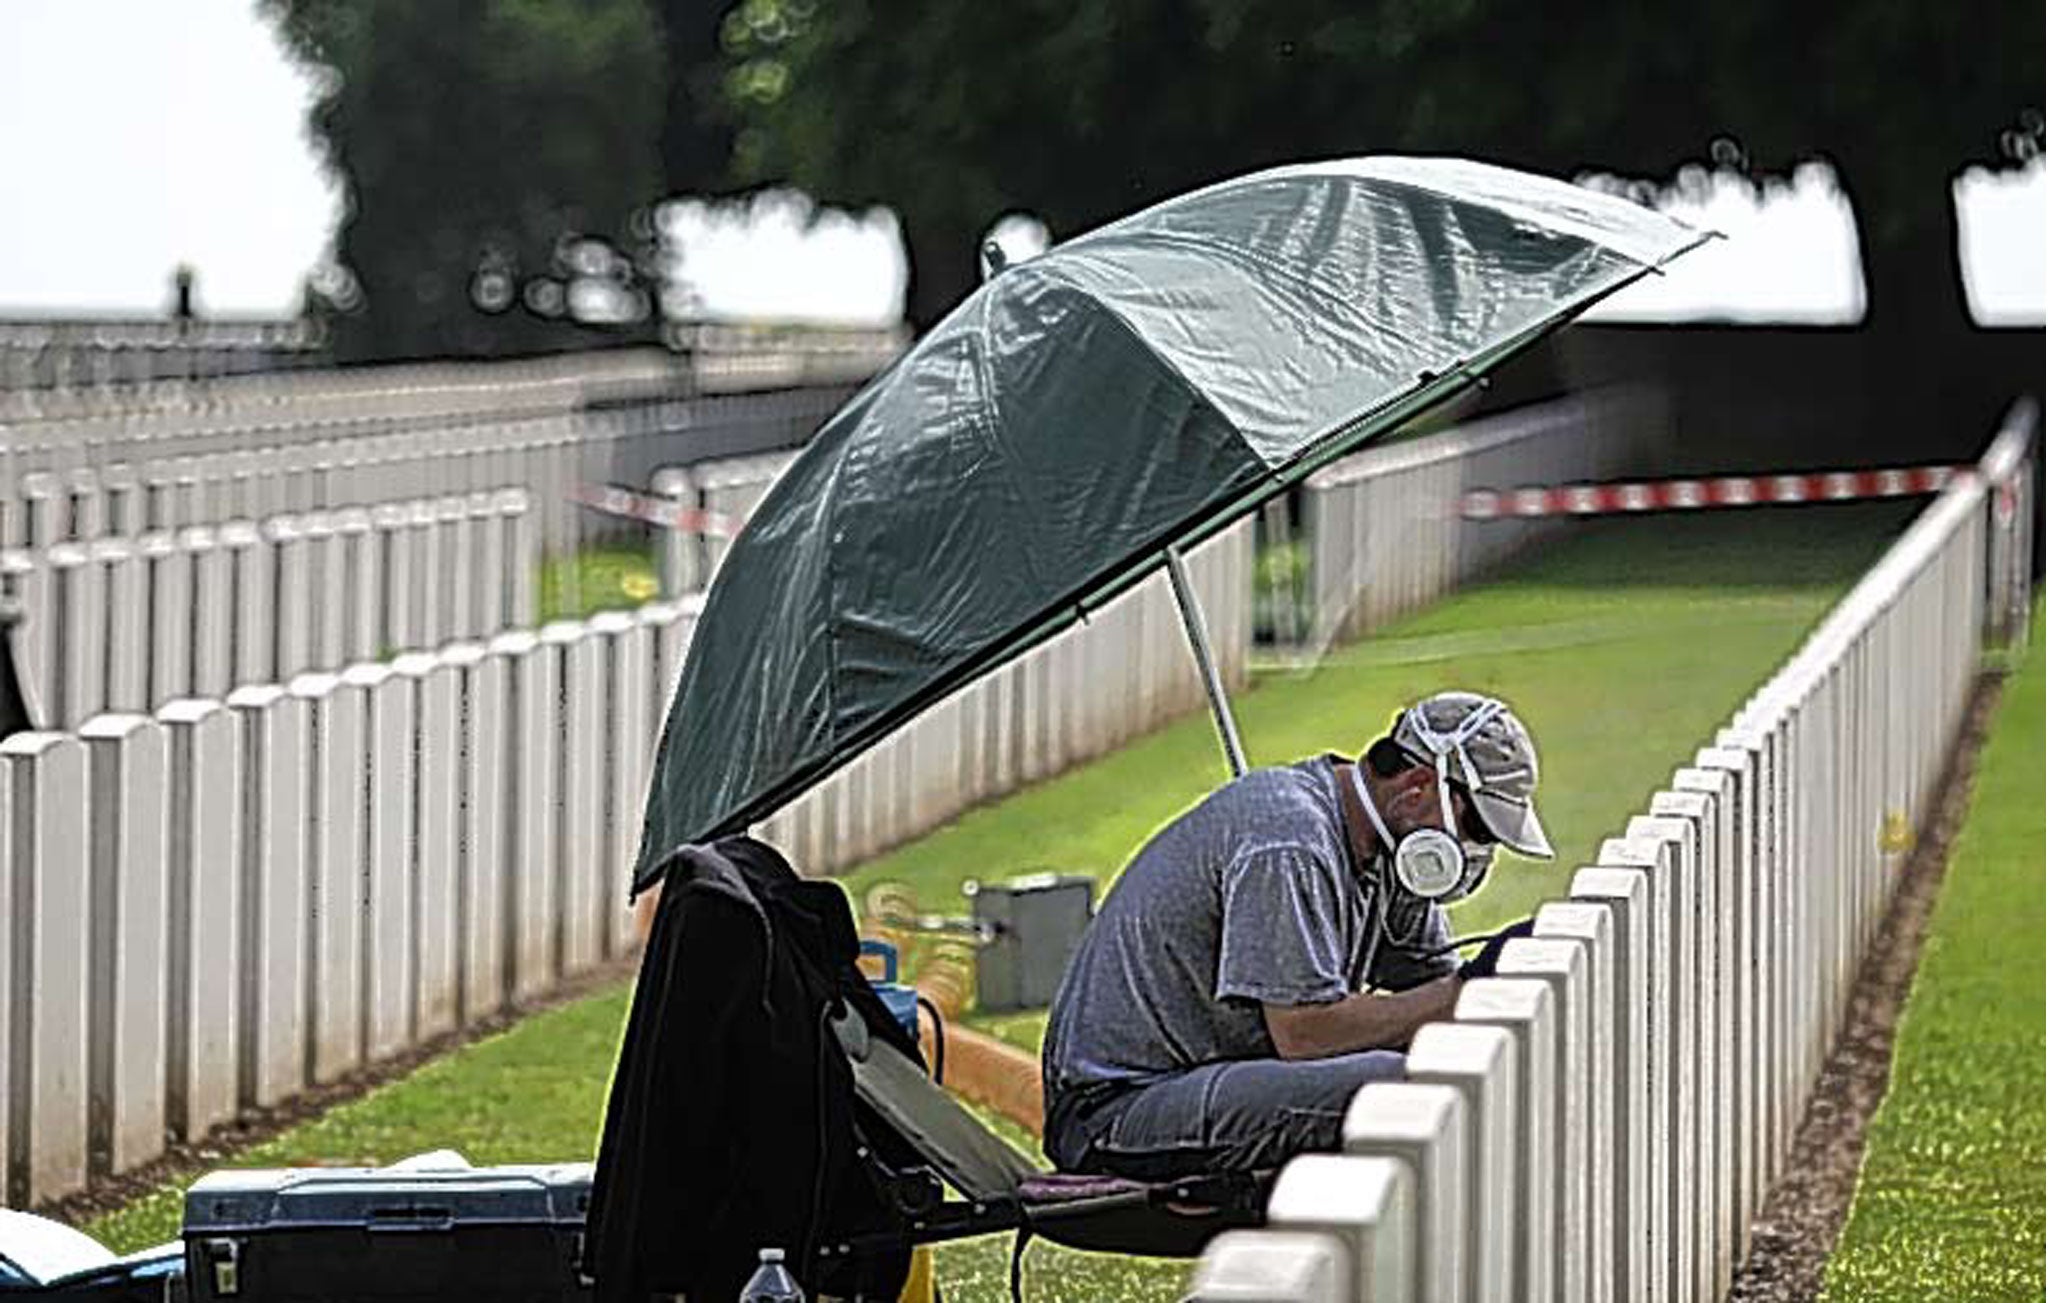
{"x": 732, "y": 1122}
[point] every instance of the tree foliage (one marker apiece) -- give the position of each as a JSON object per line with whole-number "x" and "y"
{"x": 696, "y": 126}
{"x": 956, "y": 114}
{"x": 498, "y": 158}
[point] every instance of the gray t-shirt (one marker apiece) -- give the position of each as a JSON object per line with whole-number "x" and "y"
{"x": 1250, "y": 898}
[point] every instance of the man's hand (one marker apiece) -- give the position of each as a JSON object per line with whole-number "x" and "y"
{"x": 1488, "y": 958}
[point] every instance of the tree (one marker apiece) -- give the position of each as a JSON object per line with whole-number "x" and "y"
{"x": 498, "y": 159}
{"x": 696, "y": 125}
{"x": 954, "y": 115}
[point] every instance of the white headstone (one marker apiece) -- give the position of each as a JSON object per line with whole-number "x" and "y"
{"x": 1423, "y": 1126}
{"x": 532, "y": 762}
{"x": 358, "y": 597}
{"x": 1589, "y": 927}
{"x": 396, "y": 563}
{"x": 167, "y": 618}
{"x": 1479, "y": 1062}
{"x": 205, "y": 793}
{"x": 578, "y": 746}
{"x": 1526, "y": 1010}
{"x": 212, "y": 613}
{"x": 337, "y": 810}
{"x": 46, "y": 855}
{"x": 123, "y": 582}
{"x": 274, "y": 894}
{"x": 126, "y": 768}
{"x": 388, "y": 979}
{"x": 1272, "y": 1267}
{"x": 1624, "y": 893}
{"x": 436, "y": 855}
{"x": 629, "y": 737}
{"x": 1367, "y": 1205}
{"x": 1688, "y": 1067}
{"x": 78, "y": 614}
{"x": 252, "y": 604}
{"x": 484, "y": 907}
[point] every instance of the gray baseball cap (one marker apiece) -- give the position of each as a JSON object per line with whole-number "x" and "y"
{"x": 1482, "y": 746}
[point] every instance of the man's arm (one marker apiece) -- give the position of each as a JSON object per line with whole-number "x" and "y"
{"x": 1385, "y": 1021}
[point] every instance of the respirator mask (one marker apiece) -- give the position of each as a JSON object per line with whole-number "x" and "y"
{"x": 1435, "y": 863}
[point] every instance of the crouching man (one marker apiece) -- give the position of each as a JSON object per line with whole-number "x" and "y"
{"x": 1276, "y": 947}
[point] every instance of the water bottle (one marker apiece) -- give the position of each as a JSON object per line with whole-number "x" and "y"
{"x": 771, "y": 1282}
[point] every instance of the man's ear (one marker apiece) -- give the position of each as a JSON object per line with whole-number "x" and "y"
{"x": 1415, "y": 778}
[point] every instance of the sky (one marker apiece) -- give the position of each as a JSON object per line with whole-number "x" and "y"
{"x": 138, "y": 134}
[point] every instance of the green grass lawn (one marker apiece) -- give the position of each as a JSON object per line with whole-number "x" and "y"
{"x": 1623, "y": 651}
{"x": 1623, "y": 648}
{"x": 1949, "y": 1204}
{"x": 532, "y": 1094}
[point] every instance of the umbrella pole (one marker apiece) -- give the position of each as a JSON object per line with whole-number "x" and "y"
{"x": 1198, "y": 639}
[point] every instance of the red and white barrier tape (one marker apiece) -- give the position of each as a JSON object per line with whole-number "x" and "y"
{"x": 1723, "y": 491}
{"x": 1479, "y": 504}
{"x": 665, "y": 512}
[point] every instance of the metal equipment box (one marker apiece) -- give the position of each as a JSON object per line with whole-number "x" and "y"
{"x": 425, "y": 1229}
{"x": 1032, "y": 926}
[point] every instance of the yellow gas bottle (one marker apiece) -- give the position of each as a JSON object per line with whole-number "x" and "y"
{"x": 918, "y": 1287}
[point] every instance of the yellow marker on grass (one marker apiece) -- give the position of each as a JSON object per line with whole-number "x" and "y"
{"x": 1897, "y": 835}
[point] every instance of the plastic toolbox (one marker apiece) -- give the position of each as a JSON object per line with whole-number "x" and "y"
{"x": 431, "y": 1228}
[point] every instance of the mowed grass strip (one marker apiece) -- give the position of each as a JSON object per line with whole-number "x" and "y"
{"x": 1624, "y": 648}
{"x": 1949, "y": 1204}
{"x": 608, "y": 577}
{"x": 532, "y": 1094}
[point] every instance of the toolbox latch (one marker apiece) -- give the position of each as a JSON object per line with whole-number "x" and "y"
{"x": 224, "y": 1256}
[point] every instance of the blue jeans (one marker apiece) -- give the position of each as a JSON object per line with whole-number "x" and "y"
{"x": 1243, "y": 1115}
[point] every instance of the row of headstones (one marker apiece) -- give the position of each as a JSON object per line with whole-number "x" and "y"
{"x": 179, "y": 408}
{"x": 408, "y": 574}
{"x": 72, "y": 363}
{"x": 125, "y": 500}
{"x": 209, "y": 909}
{"x": 131, "y": 483}
{"x": 724, "y": 362}
{"x": 1385, "y": 530}
{"x": 126, "y": 625}
{"x": 1604, "y": 1117}
{"x": 849, "y": 362}
{"x": 1082, "y": 693}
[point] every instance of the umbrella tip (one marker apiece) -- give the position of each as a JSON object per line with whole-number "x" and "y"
{"x": 993, "y": 259}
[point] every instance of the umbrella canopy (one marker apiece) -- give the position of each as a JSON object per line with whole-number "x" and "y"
{"x": 1134, "y": 388}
